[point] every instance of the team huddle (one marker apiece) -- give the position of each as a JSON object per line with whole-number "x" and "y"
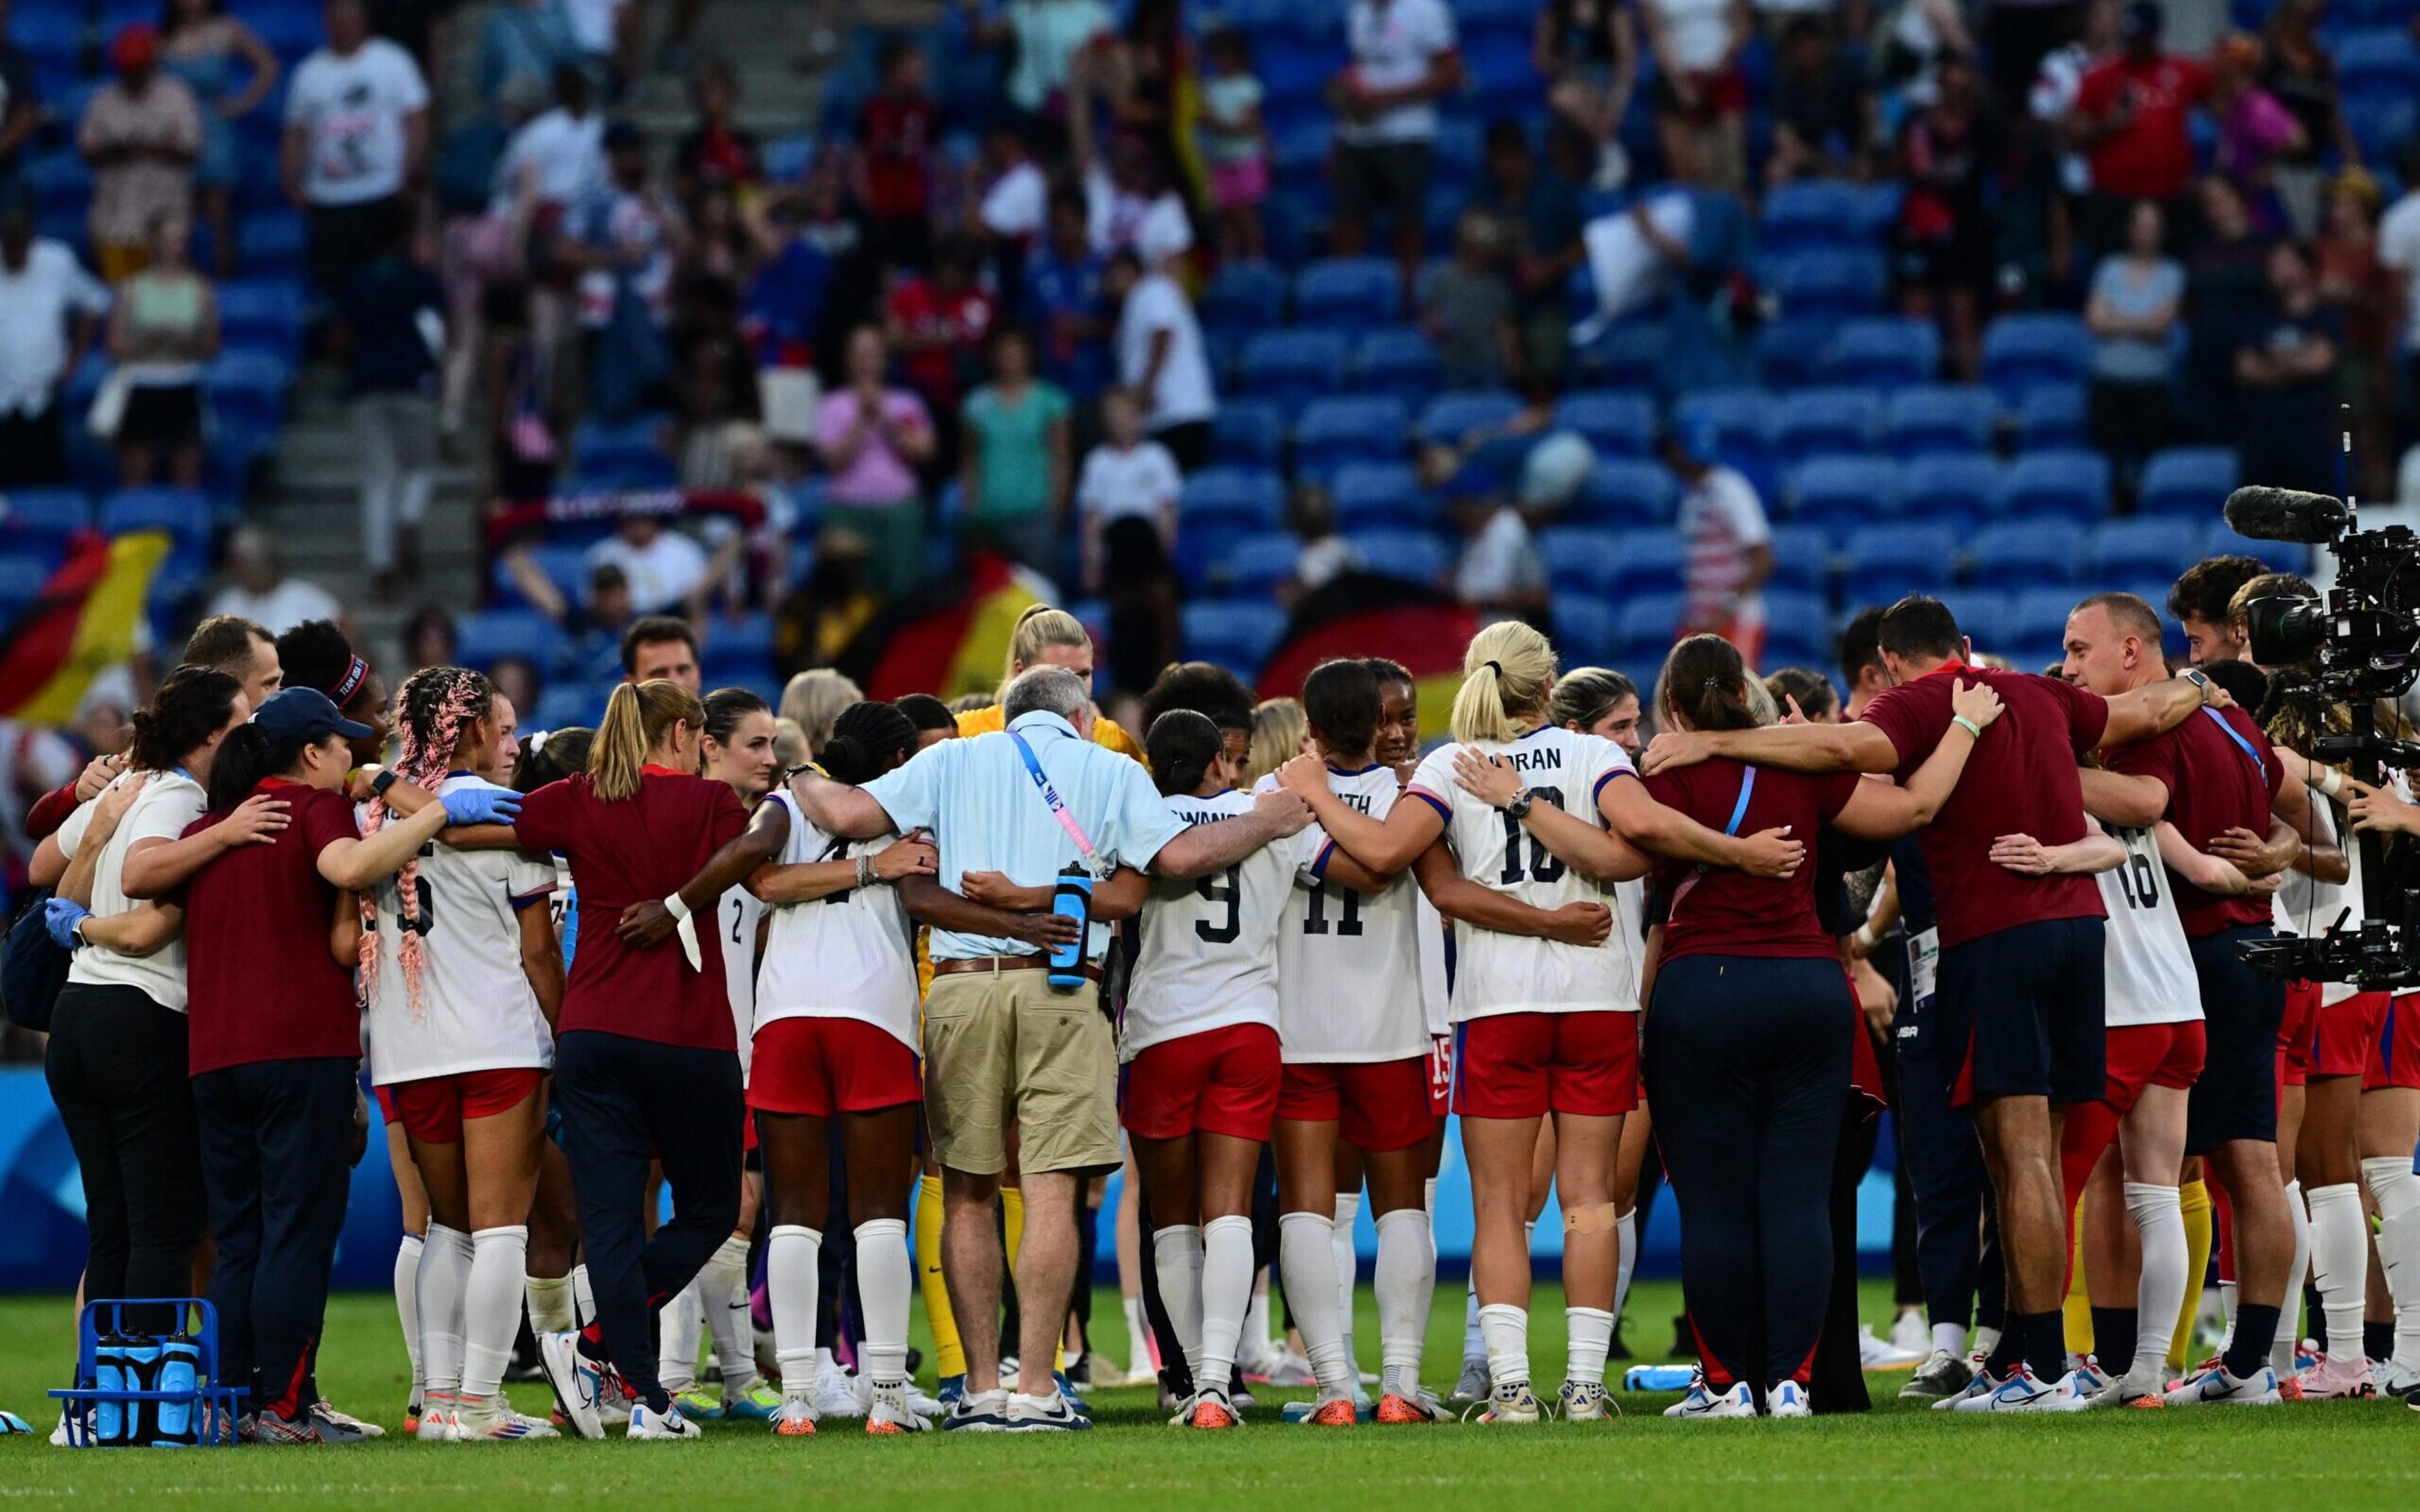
{"x": 957, "y": 966}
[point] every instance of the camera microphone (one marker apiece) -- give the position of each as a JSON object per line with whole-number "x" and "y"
{"x": 2263, "y": 514}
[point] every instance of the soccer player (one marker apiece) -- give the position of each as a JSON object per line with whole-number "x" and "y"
{"x": 2390, "y": 1126}
{"x": 1546, "y": 1028}
{"x": 463, "y": 979}
{"x": 1199, "y": 1043}
{"x": 2024, "y": 954}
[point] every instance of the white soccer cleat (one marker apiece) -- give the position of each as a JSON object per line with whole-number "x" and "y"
{"x": 891, "y": 1413}
{"x": 646, "y": 1422}
{"x": 495, "y": 1425}
{"x": 2394, "y": 1379}
{"x": 1583, "y": 1402}
{"x": 327, "y": 1412}
{"x": 2134, "y": 1389}
{"x": 2335, "y": 1378}
{"x": 1982, "y": 1384}
{"x": 794, "y": 1418}
{"x": 1470, "y": 1387}
{"x": 2088, "y": 1377}
{"x": 2214, "y": 1387}
{"x": 1787, "y": 1400}
{"x": 2024, "y": 1391}
{"x": 835, "y": 1394}
{"x": 1877, "y": 1353}
{"x": 436, "y": 1419}
{"x": 1513, "y": 1402}
{"x": 575, "y": 1382}
{"x": 1704, "y": 1401}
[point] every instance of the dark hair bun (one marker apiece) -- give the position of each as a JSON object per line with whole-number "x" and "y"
{"x": 845, "y": 759}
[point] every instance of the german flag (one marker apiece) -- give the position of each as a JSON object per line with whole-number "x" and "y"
{"x": 1363, "y": 614}
{"x": 80, "y": 625}
{"x": 948, "y": 637}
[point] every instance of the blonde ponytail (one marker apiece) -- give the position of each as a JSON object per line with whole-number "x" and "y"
{"x": 636, "y": 717}
{"x": 1507, "y": 675}
{"x": 1038, "y": 628}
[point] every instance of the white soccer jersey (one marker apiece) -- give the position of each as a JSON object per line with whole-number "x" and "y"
{"x": 736, "y": 916}
{"x": 1350, "y": 986}
{"x": 2307, "y": 905}
{"x": 2146, "y": 965}
{"x": 1209, "y": 957}
{"x": 847, "y": 955}
{"x": 1437, "y": 996}
{"x": 1497, "y": 973}
{"x": 476, "y": 1011}
{"x": 1630, "y": 916}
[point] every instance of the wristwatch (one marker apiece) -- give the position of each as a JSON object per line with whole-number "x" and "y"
{"x": 2199, "y": 679}
{"x": 1519, "y": 807}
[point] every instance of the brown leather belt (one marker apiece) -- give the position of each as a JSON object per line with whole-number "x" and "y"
{"x": 1005, "y": 963}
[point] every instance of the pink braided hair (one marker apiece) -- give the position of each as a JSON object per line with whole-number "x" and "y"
{"x": 432, "y": 709}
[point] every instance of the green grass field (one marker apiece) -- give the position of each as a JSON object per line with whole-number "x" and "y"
{"x": 2338, "y": 1456}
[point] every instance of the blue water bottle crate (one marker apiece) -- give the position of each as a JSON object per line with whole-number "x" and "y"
{"x": 136, "y": 1388}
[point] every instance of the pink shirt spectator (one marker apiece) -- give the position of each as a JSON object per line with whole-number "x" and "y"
{"x": 877, "y": 474}
{"x": 2251, "y": 133}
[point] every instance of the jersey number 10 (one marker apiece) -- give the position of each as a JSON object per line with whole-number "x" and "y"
{"x": 1544, "y": 865}
{"x": 2139, "y": 880}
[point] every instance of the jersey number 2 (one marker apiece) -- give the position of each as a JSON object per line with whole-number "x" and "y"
{"x": 1544, "y": 865}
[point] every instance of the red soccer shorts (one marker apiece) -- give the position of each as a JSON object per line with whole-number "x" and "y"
{"x": 2136, "y": 1056}
{"x": 817, "y": 1067}
{"x": 1528, "y": 1065}
{"x": 2395, "y": 1050}
{"x": 433, "y": 1109}
{"x": 2346, "y": 1035}
{"x": 2294, "y": 1033}
{"x": 1376, "y": 1105}
{"x": 1440, "y": 1076}
{"x": 1221, "y": 1081}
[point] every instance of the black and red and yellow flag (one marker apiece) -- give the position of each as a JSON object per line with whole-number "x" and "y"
{"x": 82, "y": 624}
{"x": 1363, "y": 614}
{"x": 948, "y": 637}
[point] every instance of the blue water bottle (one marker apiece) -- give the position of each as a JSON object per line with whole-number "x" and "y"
{"x": 143, "y": 1355}
{"x": 109, "y": 1375}
{"x": 1073, "y": 898}
{"x": 180, "y": 1371}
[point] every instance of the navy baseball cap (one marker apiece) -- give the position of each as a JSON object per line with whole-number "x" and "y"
{"x": 304, "y": 714}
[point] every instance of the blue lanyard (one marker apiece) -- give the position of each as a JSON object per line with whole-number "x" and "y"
{"x": 2241, "y": 744}
{"x": 1739, "y": 810}
{"x": 1058, "y": 808}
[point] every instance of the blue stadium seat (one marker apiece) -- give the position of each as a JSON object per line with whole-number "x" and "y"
{"x": 1826, "y": 421}
{"x": 2052, "y": 415}
{"x": 1886, "y": 563}
{"x": 1741, "y": 417}
{"x": 1788, "y": 349}
{"x": 2071, "y": 483}
{"x": 1249, "y": 430}
{"x": 1380, "y": 496}
{"x": 21, "y": 583}
{"x": 1584, "y": 627}
{"x": 183, "y": 513}
{"x": 624, "y": 466}
{"x": 1842, "y": 493}
{"x": 1237, "y": 499}
{"x": 2158, "y": 548}
{"x": 565, "y": 705}
{"x": 1818, "y": 213}
{"x": 1939, "y": 418}
{"x": 46, "y": 516}
{"x": 1829, "y": 282}
{"x": 1335, "y": 431}
{"x": 263, "y": 312}
{"x": 738, "y": 651}
{"x": 1631, "y": 355}
{"x": 2281, "y": 556}
{"x": 1260, "y": 563}
{"x": 2380, "y": 123}
{"x": 1237, "y": 635}
{"x": 2024, "y": 349}
{"x": 1415, "y": 556}
{"x": 2037, "y": 626}
{"x": 2191, "y": 480}
{"x": 1579, "y": 559}
{"x": 1982, "y": 614}
{"x": 1622, "y": 493}
{"x": 2035, "y": 551}
{"x": 1957, "y": 490}
{"x": 1802, "y": 559}
{"x": 1884, "y": 350}
{"x": 1293, "y": 367}
{"x": 272, "y": 244}
{"x": 1243, "y": 299}
{"x": 1617, "y": 424}
{"x": 487, "y": 637}
{"x": 564, "y": 562}
{"x": 1348, "y": 293}
{"x": 1396, "y": 361}
{"x": 1644, "y": 627}
{"x": 1798, "y": 631}
{"x": 1299, "y": 153}
{"x": 59, "y": 182}
{"x": 1448, "y": 417}
{"x": 1646, "y": 562}
{"x": 2381, "y": 64}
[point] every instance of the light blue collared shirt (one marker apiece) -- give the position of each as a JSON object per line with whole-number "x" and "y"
{"x": 986, "y": 814}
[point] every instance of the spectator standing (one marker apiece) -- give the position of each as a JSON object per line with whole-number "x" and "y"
{"x": 1537, "y": 211}
{"x": 895, "y": 136}
{"x": 2133, "y": 114}
{"x": 142, "y": 134}
{"x": 204, "y": 46}
{"x": 1727, "y": 540}
{"x": 937, "y": 327}
{"x": 1234, "y": 141}
{"x": 164, "y": 327}
{"x": 2296, "y": 68}
{"x": 1046, "y": 37}
{"x": 396, "y": 314}
{"x": 1128, "y": 476}
{"x": 715, "y": 152}
{"x": 1128, "y": 202}
{"x": 259, "y": 589}
{"x": 2255, "y": 131}
{"x": 1405, "y": 55}
{"x": 1015, "y": 459}
{"x": 2399, "y": 252}
{"x": 1064, "y": 302}
{"x": 627, "y": 237}
{"x": 557, "y": 157}
{"x": 2286, "y": 365}
{"x": 1587, "y": 53}
{"x": 525, "y": 39}
{"x": 1466, "y": 309}
{"x": 1944, "y": 241}
{"x": 1822, "y": 117}
{"x": 2137, "y": 299}
{"x": 873, "y": 438}
{"x": 356, "y": 138}
{"x": 20, "y": 112}
{"x": 1014, "y": 207}
{"x": 2226, "y": 284}
{"x": 1161, "y": 357}
{"x": 50, "y": 310}
{"x": 1701, "y": 96}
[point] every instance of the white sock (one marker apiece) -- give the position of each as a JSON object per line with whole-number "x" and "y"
{"x": 2227, "y": 1315}
{"x": 1226, "y": 1292}
{"x": 583, "y": 1297}
{"x": 1256, "y": 1318}
{"x": 407, "y": 1304}
{"x": 2398, "y": 1191}
{"x": 1348, "y": 1273}
{"x": 792, "y": 1261}
{"x": 445, "y": 1276}
{"x": 1506, "y": 1330}
{"x": 886, "y": 1278}
{"x": 1591, "y": 1331}
{"x": 1987, "y": 1340}
{"x": 722, "y": 1294}
{"x": 2160, "y": 1290}
{"x": 676, "y": 1330}
{"x": 548, "y": 1298}
{"x": 1473, "y": 1346}
{"x": 1139, "y": 1349}
{"x": 1950, "y": 1338}
{"x": 1307, "y": 1261}
{"x": 2340, "y": 1262}
{"x": 1428, "y": 1201}
{"x": 492, "y": 1307}
{"x": 1625, "y": 1263}
{"x": 1178, "y": 1255}
{"x": 2289, "y": 1317}
{"x": 1406, "y": 1282}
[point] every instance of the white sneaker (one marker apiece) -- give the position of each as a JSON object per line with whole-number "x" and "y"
{"x": 1704, "y": 1401}
{"x": 835, "y": 1394}
{"x": 492, "y": 1425}
{"x": 646, "y": 1422}
{"x": 1787, "y": 1400}
{"x": 436, "y": 1410}
{"x": 575, "y": 1382}
{"x": 922, "y": 1405}
{"x": 1877, "y": 1353}
{"x": 1513, "y": 1402}
{"x": 1982, "y": 1384}
{"x": 2089, "y": 1379}
{"x": 1910, "y": 1332}
{"x": 1583, "y": 1402}
{"x": 2024, "y": 1391}
{"x": 2214, "y": 1387}
{"x": 1471, "y": 1387}
{"x": 2394, "y": 1379}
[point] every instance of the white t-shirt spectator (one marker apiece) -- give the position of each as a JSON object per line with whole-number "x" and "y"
{"x": 2399, "y": 247}
{"x": 1017, "y": 203}
{"x": 660, "y": 573}
{"x": 1157, "y": 229}
{"x": 1183, "y": 392}
{"x": 1500, "y": 565}
{"x": 292, "y": 602}
{"x": 1697, "y": 32}
{"x": 1116, "y": 484}
{"x": 1049, "y": 34}
{"x": 352, "y": 111}
{"x": 1721, "y": 518}
{"x": 565, "y": 152}
{"x": 1394, "y": 45}
{"x": 35, "y": 303}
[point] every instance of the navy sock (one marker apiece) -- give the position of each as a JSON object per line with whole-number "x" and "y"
{"x": 2046, "y": 1343}
{"x": 2112, "y": 1338}
{"x": 2256, "y": 1331}
{"x": 2378, "y": 1340}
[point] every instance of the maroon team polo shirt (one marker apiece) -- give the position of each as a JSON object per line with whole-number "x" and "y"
{"x": 2221, "y": 774}
{"x": 1727, "y": 912}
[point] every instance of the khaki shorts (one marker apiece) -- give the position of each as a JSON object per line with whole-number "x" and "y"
{"x": 1001, "y": 1047}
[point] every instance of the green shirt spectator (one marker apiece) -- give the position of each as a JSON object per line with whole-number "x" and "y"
{"x": 1014, "y": 469}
